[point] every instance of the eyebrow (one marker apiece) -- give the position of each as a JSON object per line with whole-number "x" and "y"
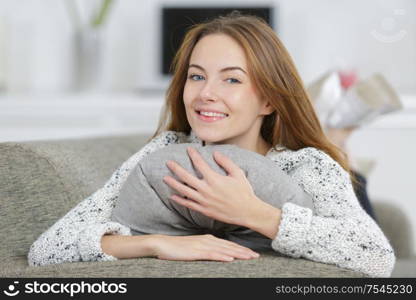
{"x": 222, "y": 70}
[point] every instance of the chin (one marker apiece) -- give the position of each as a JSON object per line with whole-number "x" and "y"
{"x": 209, "y": 137}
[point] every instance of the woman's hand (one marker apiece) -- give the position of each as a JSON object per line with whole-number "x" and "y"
{"x": 199, "y": 247}
{"x": 229, "y": 199}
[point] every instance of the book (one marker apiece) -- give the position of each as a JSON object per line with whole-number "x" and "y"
{"x": 357, "y": 105}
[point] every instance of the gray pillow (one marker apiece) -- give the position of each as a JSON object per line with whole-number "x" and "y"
{"x": 144, "y": 205}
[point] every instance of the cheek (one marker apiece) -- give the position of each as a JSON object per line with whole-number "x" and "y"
{"x": 245, "y": 105}
{"x": 188, "y": 94}
{"x": 187, "y": 101}
{"x": 238, "y": 100}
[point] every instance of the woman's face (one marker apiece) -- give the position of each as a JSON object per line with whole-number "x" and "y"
{"x": 221, "y": 102}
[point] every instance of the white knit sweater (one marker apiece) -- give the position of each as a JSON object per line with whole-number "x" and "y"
{"x": 338, "y": 232}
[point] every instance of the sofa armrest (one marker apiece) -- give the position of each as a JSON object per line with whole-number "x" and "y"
{"x": 43, "y": 180}
{"x": 396, "y": 226}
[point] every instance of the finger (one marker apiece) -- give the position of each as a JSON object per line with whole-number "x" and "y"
{"x": 242, "y": 249}
{"x": 237, "y": 254}
{"x": 200, "y": 163}
{"x": 184, "y": 175}
{"x": 218, "y": 256}
{"x": 231, "y": 245}
{"x": 227, "y": 164}
{"x": 182, "y": 188}
{"x": 238, "y": 247}
{"x": 189, "y": 203}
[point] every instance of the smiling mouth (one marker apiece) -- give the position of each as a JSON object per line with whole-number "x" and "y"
{"x": 210, "y": 117}
{"x": 211, "y": 114}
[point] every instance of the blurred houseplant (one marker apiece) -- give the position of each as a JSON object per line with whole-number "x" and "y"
{"x": 88, "y": 45}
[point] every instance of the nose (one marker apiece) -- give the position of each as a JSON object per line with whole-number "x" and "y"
{"x": 208, "y": 92}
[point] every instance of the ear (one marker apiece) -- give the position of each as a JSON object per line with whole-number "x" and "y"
{"x": 266, "y": 109}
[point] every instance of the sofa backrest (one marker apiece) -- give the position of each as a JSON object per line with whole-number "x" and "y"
{"x": 41, "y": 181}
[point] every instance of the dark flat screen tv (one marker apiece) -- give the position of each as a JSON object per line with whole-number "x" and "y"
{"x": 176, "y": 21}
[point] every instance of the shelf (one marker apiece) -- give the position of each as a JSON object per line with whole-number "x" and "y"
{"x": 80, "y": 115}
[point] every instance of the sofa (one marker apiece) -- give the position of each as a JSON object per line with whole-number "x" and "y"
{"x": 42, "y": 180}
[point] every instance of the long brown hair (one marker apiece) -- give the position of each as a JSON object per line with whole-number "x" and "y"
{"x": 293, "y": 124}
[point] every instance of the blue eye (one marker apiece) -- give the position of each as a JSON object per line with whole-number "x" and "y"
{"x": 195, "y": 77}
{"x": 233, "y": 80}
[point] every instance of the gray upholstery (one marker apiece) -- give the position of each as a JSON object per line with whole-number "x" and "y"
{"x": 269, "y": 264}
{"x": 41, "y": 181}
{"x": 391, "y": 218}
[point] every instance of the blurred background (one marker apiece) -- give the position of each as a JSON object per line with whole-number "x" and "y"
{"x": 71, "y": 69}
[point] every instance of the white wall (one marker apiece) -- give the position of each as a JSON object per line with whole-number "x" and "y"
{"x": 320, "y": 34}
{"x": 371, "y": 36}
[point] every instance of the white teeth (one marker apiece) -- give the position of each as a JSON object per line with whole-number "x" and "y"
{"x": 212, "y": 114}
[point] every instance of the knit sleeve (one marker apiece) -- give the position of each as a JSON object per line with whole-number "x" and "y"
{"x": 77, "y": 235}
{"x": 338, "y": 231}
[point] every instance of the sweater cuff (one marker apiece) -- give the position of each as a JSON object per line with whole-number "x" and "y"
{"x": 89, "y": 240}
{"x": 293, "y": 229}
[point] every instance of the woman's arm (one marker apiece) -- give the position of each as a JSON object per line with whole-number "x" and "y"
{"x": 77, "y": 235}
{"x": 185, "y": 248}
{"x": 265, "y": 219}
{"x": 121, "y": 246}
{"x": 338, "y": 231}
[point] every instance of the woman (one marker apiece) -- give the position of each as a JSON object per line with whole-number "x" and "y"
{"x": 339, "y": 137}
{"x": 234, "y": 83}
